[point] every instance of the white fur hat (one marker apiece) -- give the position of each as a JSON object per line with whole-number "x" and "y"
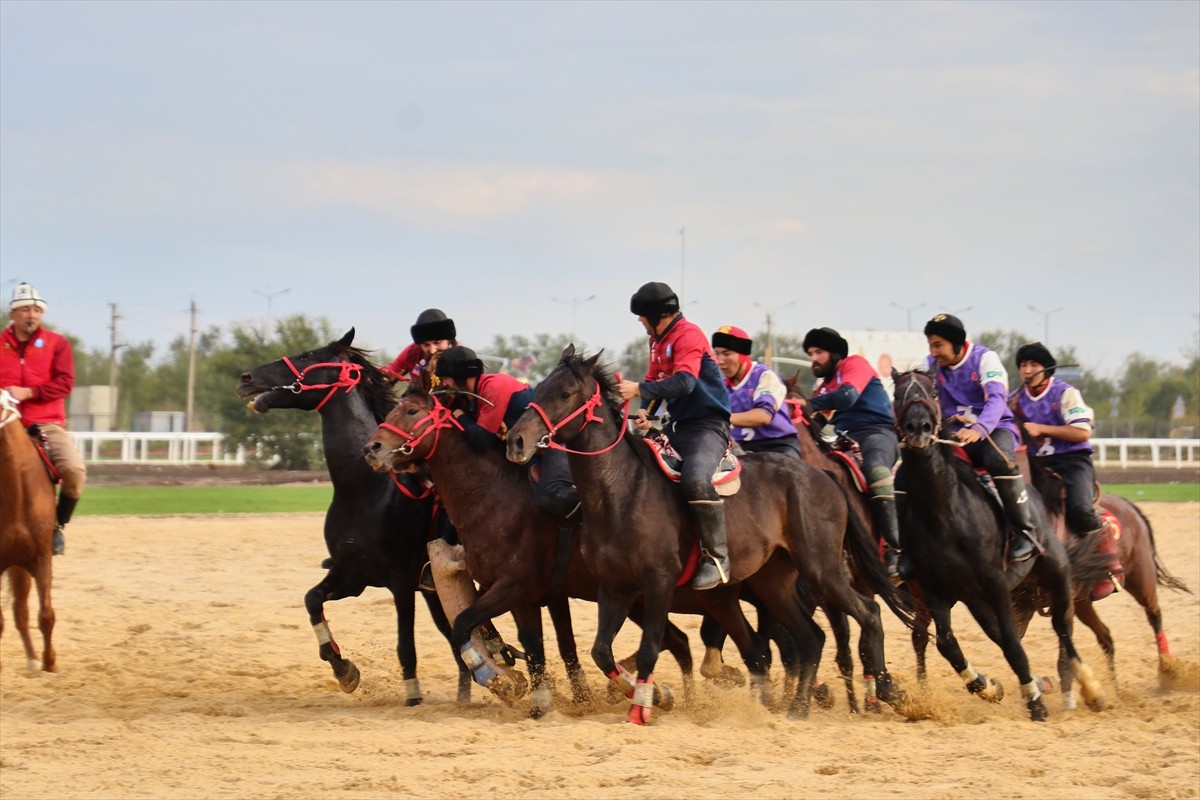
{"x": 26, "y": 295}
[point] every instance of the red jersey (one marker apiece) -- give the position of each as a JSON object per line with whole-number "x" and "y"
{"x": 44, "y": 364}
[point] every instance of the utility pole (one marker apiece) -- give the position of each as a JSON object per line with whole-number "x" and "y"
{"x": 112, "y": 367}
{"x": 769, "y": 350}
{"x": 191, "y": 384}
{"x": 682, "y": 262}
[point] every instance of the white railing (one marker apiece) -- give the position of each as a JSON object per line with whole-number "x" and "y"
{"x": 1176, "y": 453}
{"x": 127, "y": 447}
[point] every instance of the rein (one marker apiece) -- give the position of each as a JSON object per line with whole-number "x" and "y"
{"x": 588, "y": 409}
{"x": 350, "y": 375}
{"x": 925, "y": 400}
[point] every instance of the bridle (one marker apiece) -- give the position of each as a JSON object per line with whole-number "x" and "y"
{"x": 588, "y": 410}
{"x": 349, "y": 376}
{"x": 924, "y": 398}
{"x": 432, "y": 424}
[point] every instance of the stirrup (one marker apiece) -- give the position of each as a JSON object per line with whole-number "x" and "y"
{"x": 60, "y": 542}
{"x": 425, "y": 582}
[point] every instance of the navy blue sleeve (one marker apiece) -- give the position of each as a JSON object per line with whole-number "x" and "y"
{"x": 839, "y": 399}
{"x": 678, "y": 385}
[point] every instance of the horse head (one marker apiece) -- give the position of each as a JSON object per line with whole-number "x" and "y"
{"x": 309, "y": 380}
{"x": 409, "y": 433}
{"x": 918, "y": 414}
{"x": 563, "y": 405}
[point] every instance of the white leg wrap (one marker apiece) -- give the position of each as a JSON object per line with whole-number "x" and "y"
{"x": 1031, "y": 691}
{"x": 643, "y": 694}
{"x": 321, "y": 629}
{"x": 541, "y": 698}
{"x": 412, "y": 689}
{"x": 968, "y": 674}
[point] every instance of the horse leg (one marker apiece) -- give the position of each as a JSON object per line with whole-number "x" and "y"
{"x": 500, "y": 598}
{"x": 776, "y": 587}
{"x": 1056, "y": 577}
{"x": 1085, "y": 612}
{"x": 676, "y": 643}
{"x": 20, "y": 581}
{"x": 769, "y": 630}
{"x": 404, "y": 599}
{"x": 999, "y": 602}
{"x": 1141, "y": 581}
{"x": 529, "y": 632}
{"x": 344, "y": 670}
{"x": 714, "y": 667}
{"x": 947, "y": 644}
{"x": 44, "y": 578}
{"x": 656, "y": 603}
{"x": 839, "y": 623}
{"x": 865, "y": 611}
{"x": 920, "y": 638}
{"x": 564, "y": 631}
{"x": 612, "y": 609}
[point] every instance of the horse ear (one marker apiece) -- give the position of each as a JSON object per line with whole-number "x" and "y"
{"x": 568, "y": 352}
{"x": 590, "y": 364}
{"x": 346, "y": 340}
{"x": 895, "y": 374}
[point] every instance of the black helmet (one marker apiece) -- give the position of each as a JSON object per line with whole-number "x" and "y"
{"x": 459, "y": 363}
{"x": 827, "y": 339}
{"x": 654, "y": 300}
{"x": 949, "y": 327}
{"x": 433, "y": 325}
{"x": 1037, "y": 353}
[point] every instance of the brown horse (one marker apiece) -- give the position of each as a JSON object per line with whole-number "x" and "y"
{"x": 27, "y": 523}
{"x": 787, "y": 521}
{"x": 517, "y": 553}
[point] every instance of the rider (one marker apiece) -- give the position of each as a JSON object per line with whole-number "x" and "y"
{"x": 683, "y": 373}
{"x": 851, "y": 395}
{"x": 432, "y": 333}
{"x": 1056, "y": 417}
{"x": 759, "y": 414}
{"x": 37, "y": 367}
{"x": 973, "y": 391}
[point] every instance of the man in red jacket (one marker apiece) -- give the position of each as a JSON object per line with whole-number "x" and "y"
{"x": 37, "y": 367}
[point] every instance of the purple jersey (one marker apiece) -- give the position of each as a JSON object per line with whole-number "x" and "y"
{"x": 975, "y": 388}
{"x": 761, "y": 388}
{"x": 1060, "y": 404}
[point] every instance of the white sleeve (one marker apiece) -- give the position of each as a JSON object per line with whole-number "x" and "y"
{"x": 1074, "y": 411}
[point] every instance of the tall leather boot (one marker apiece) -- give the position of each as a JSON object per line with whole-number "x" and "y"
{"x": 883, "y": 514}
{"x": 714, "y": 550}
{"x": 66, "y": 507}
{"x": 1015, "y": 498}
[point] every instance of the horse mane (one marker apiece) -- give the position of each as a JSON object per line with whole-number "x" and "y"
{"x": 377, "y": 386}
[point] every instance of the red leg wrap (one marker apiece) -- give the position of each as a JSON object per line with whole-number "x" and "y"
{"x": 1163, "y": 648}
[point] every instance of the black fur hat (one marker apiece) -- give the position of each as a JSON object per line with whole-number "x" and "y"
{"x": 1037, "y": 353}
{"x": 459, "y": 363}
{"x": 433, "y": 325}
{"x": 654, "y": 300}
{"x": 949, "y": 327}
{"x": 827, "y": 339}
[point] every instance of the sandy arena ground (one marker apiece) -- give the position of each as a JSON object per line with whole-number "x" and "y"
{"x": 188, "y": 670}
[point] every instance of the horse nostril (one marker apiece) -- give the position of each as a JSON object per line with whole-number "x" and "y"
{"x": 245, "y": 377}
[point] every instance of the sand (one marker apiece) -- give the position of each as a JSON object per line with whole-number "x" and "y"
{"x": 188, "y": 670}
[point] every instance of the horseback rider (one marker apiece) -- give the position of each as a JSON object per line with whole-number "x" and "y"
{"x": 1055, "y": 415}
{"x": 758, "y": 418}
{"x": 973, "y": 390}
{"x": 486, "y": 404}
{"x": 683, "y": 373}
{"x": 851, "y": 395}
{"x": 37, "y": 367}
{"x": 432, "y": 333}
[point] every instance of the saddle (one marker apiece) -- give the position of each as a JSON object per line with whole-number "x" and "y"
{"x": 726, "y": 479}
{"x": 40, "y": 444}
{"x": 845, "y": 451}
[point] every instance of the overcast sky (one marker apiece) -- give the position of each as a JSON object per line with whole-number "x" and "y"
{"x": 837, "y": 163}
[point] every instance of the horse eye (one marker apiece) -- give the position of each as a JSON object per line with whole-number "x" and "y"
{"x": 565, "y": 396}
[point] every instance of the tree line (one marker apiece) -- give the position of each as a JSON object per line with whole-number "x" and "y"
{"x": 1140, "y": 401}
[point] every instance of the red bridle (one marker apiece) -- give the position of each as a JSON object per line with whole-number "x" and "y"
{"x": 350, "y": 375}
{"x": 432, "y": 424}
{"x": 588, "y": 410}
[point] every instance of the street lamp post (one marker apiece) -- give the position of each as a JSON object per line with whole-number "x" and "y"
{"x": 574, "y": 303}
{"x": 908, "y": 311}
{"x": 769, "y": 351}
{"x": 1045, "y": 321}
{"x": 270, "y": 296}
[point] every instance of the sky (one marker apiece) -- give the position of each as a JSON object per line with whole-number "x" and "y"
{"x": 526, "y": 166}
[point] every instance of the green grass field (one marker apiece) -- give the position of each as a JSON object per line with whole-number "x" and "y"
{"x": 168, "y": 500}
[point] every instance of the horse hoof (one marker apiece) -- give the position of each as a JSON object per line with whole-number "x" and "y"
{"x": 413, "y": 701}
{"x": 664, "y": 698}
{"x": 349, "y": 679}
{"x": 724, "y": 676}
{"x": 1037, "y": 710}
{"x": 540, "y": 702}
{"x": 822, "y": 696}
{"x": 872, "y": 705}
{"x": 509, "y": 687}
{"x": 1099, "y": 703}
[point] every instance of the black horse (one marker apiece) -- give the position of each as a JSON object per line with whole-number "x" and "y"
{"x": 375, "y": 532}
{"x": 955, "y": 539}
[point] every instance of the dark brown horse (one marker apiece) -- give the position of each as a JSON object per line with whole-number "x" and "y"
{"x": 27, "y": 523}
{"x": 787, "y": 521}
{"x": 1144, "y": 572}
{"x": 374, "y": 532}
{"x": 516, "y": 552}
{"x": 955, "y": 539}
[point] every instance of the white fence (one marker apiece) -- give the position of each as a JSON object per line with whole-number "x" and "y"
{"x": 1176, "y": 453}
{"x": 124, "y": 447}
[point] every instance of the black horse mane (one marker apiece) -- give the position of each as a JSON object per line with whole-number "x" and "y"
{"x": 377, "y": 386}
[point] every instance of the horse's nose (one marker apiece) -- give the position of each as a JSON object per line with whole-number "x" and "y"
{"x": 371, "y": 448}
{"x": 245, "y": 377}
{"x": 516, "y": 445}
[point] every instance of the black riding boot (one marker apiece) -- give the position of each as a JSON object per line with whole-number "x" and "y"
{"x": 66, "y": 507}
{"x": 883, "y": 513}
{"x": 1013, "y": 494}
{"x": 714, "y": 551}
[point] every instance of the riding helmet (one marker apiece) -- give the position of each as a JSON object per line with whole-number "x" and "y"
{"x": 459, "y": 363}
{"x": 827, "y": 339}
{"x": 433, "y": 325}
{"x": 654, "y": 300}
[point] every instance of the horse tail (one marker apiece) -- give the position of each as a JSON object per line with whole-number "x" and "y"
{"x": 1088, "y": 565}
{"x": 865, "y": 552}
{"x": 1164, "y": 578}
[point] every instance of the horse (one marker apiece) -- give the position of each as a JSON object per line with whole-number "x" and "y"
{"x": 375, "y": 529}
{"x": 787, "y": 521}
{"x": 519, "y": 554}
{"x": 1144, "y": 572}
{"x": 955, "y": 538}
{"x": 27, "y": 520}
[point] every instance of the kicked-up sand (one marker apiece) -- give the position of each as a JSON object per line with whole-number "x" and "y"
{"x": 187, "y": 669}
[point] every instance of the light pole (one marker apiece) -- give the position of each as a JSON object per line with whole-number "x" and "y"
{"x": 270, "y": 296}
{"x": 1045, "y": 321}
{"x": 574, "y": 303}
{"x": 769, "y": 350}
{"x": 908, "y": 311}
{"x": 682, "y": 262}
